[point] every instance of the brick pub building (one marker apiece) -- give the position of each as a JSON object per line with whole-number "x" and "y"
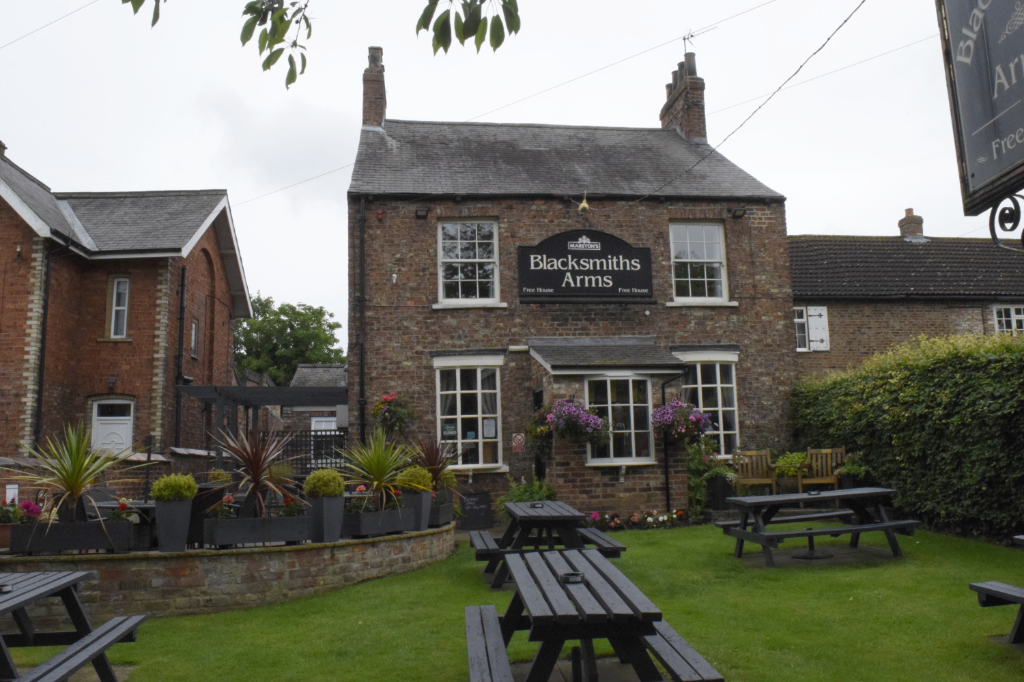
{"x": 93, "y": 323}
{"x": 480, "y": 289}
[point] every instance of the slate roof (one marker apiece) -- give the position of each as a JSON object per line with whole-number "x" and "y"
{"x": 35, "y": 194}
{"x": 321, "y": 375}
{"x": 893, "y": 267}
{"x": 143, "y": 220}
{"x": 418, "y": 157}
{"x": 618, "y": 352}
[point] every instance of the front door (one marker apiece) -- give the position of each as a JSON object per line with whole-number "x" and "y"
{"x": 112, "y": 425}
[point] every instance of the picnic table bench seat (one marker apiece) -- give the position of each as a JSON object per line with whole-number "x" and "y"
{"x": 488, "y": 661}
{"x": 794, "y": 518}
{"x": 775, "y": 537}
{"x": 485, "y": 544}
{"x": 606, "y": 545}
{"x": 85, "y": 651}
{"x": 680, "y": 659}
{"x": 1001, "y": 594}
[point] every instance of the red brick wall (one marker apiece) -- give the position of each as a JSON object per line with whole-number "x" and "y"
{"x": 859, "y": 329}
{"x": 402, "y": 328}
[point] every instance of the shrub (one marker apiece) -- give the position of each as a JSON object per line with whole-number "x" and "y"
{"x": 527, "y": 490}
{"x": 790, "y": 464}
{"x": 939, "y": 421}
{"x": 324, "y": 483}
{"x": 218, "y": 477}
{"x": 414, "y": 479}
{"x": 700, "y": 460}
{"x": 174, "y": 488}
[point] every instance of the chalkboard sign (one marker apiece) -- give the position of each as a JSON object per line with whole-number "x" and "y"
{"x": 477, "y": 513}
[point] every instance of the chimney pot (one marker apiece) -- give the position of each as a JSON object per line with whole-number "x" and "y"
{"x": 911, "y": 225}
{"x": 375, "y": 101}
{"x": 684, "y": 110}
{"x": 3, "y": 149}
{"x": 691, "y": 64}
{"x": 682, "y": 70}
{"x": 675, "y": 79}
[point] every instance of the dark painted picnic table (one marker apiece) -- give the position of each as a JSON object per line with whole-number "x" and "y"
{"x": 866, "y": 504}
{"x": 537, "y": 524}
{"x": 84, "y": 644}
{"x": 1018, "y": 540}
{"x": 603, "y": 604}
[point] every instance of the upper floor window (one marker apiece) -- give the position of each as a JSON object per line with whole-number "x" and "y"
{"x": 698, "y": 263}
{"x": 1010, "y": 320}
{"x": 626, "y": 404}
{"x": 194, "y": 339}
{"x": 119, "y": 309}
{"x": 468, "y": 261}
{"x": 811, "y": 325}
{"x": 468, "y": 413}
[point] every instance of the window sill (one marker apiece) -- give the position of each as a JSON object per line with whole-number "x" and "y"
{"x": 631, "y": 462}
{"x": 702, "y": 303}
{"x": 480, "y": 468}
{"x": 126, "y": 339}
{"x": 451, "y": 305}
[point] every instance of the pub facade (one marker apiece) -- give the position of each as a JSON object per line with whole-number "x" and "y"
{"x": 495, "y": 268}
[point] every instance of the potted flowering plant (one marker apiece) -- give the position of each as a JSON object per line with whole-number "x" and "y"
{"x": 173, "y": 497}
{"x": 9, "y": 515}
{"x": 577, "y": 424}
{"x": 392, "y": 413}
{"x": 325, "y": 492}
{"x": 436, "y": 457}
{"x": 375, "y": 467}
{"x": 680, "y": 421}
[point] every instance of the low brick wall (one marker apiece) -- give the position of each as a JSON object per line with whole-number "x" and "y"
{"x": 207, "y": 581}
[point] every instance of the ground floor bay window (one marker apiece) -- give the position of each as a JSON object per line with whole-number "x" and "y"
{"x": 626, "y": 404}
{"x": 469, "y": 412}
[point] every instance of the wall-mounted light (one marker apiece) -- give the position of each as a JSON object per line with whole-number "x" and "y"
{"x": 186, "y": 380}
{"x": 111, "y": 380}
{"x": 421, "y": 212}
{"x": 737, "y": 212}
{"x": 394, "y": 278}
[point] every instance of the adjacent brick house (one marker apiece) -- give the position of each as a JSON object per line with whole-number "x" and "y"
{"x": 858, "y": 296}
{"x": 317, "y": 417}
{"x": 90, "y": 308}
{"x": 481, "y": 287}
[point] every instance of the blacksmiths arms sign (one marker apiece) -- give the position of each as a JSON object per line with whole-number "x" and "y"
{"x": 983, "y": 46}
{"x": 585, "y": 266}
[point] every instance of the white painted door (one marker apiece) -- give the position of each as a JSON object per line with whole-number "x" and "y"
{"x": 112, "y": 425}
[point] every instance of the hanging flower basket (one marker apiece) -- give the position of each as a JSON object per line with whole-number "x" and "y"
{"x": 680, "y": 421}
{"x": 577, "y": 424}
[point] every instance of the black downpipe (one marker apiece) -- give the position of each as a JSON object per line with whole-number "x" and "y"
{"x": 38, "y": 426}
{"x": 179, "y": 361}
{"x": 362, "y": 320}
{"x": 664, "y": 443}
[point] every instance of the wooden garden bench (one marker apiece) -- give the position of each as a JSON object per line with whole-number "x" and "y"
{"x": 1001, "y": 594}
{"x": 488, "y": 661}
{"x": 680, "y": 659}
{"x": 821, "y": 467}
{"x": 605, "y": 544}
{"x": 754, "y": 467}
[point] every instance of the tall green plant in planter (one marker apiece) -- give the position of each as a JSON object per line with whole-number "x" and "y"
{"x": 325, "y": 493}
{"x": 375, "y": 467}
{"x": 173, "y": 496}
{"x": 437, "y": 457}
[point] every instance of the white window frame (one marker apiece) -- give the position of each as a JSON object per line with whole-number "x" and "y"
{"x": 800, "y": 320}
{"x": 95, "y": 419}
{"x": 114, "y": 308}
{"x": 194, "y": 337}
{"x": 622, "y": 461}
{"x": 1015, "y": 319}
{"x": 313, "y": 423}
{"x": 722, "y": 300}
{"x": 716, "y": 358}
{"x": 477, "y": 362}
{"x": 443, "y": 301}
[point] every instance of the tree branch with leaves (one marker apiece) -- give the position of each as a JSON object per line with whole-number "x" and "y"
{"x": 476, "y": 20}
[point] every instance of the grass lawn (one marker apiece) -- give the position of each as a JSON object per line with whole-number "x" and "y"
{"x": 911, "y": 619}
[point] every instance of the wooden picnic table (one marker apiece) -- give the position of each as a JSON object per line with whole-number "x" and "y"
{"x": 865, "y": 505}
{"x": 579, "y": 595}
{"x": 19, "y": 591}
{"x": 1018, "y": 540}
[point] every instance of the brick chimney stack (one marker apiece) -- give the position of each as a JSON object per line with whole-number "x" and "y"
{"x": 375, "y": 100}
{"x": 911, "y": 225}
{"x": 684, "y": 109}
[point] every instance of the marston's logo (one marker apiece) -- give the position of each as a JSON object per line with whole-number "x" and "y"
{"x": 584, "y": 244}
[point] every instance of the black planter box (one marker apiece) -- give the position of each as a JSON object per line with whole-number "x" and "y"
{"x": 209, "y": 494}
{"x": 224, "y": 532}
{"x": 326, "y": 516}
{"x": 418, "y": 504}
{"x": 719, "y": 488}
{"x": 172, "y": 524}
{"x": 376, "y": 523}
{"x": 110, "y": 536}
{"x": 441, "y": 515}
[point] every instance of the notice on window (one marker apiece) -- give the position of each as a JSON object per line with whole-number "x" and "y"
{"x": 449, "y": 431}
{"x": 490, "y": 428}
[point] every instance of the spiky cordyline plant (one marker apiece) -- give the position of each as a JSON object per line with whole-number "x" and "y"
{"x": 257, "y": 456}
{"x": 71, "y": 465}
{"x": 435, "y": 457}
{"x": 376, "y": 464}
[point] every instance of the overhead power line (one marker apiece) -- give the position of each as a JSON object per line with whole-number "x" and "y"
{"x": 49, "y": 24}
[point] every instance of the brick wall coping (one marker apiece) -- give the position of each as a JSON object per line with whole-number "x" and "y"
{"x": 154, "y": 555}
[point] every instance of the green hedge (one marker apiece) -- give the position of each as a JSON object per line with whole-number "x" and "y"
{"x": 939, "y": 420}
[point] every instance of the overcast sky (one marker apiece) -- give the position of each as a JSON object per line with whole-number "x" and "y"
{"x": 100, "y": 102}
